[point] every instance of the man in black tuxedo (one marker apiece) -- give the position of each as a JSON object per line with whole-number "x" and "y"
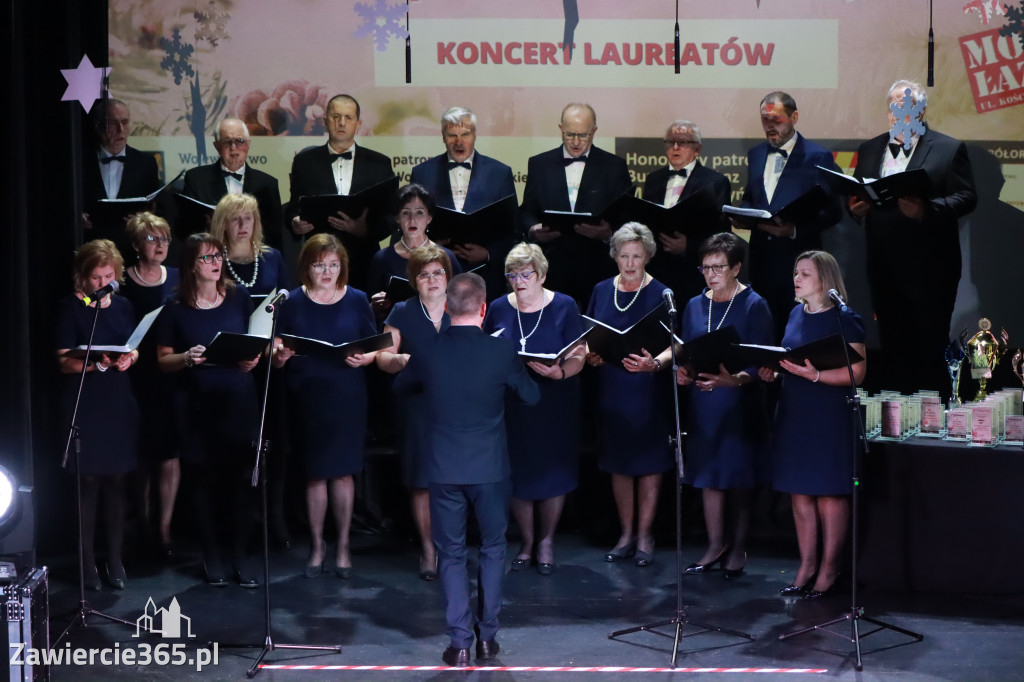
{"x": 675, "y": 263}
{"x": 232, "y": 175}
{"x": 114, "y": 171}
{"x": 581, "y": 178}
{"x": 465, "y": 376}
{"x": 342, "y": 167}
{"x": 780, "y": 170}
{"x": 465, "y": 180}
{"x": 913, "y": 244}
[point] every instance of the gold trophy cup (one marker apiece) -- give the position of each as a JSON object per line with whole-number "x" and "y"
{"x": 984, "y": 350}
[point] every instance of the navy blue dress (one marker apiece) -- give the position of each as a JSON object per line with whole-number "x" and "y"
{"x": 108, "y": 416}
{"x": 727, "y": 429}
{"x": 327, "y": 398}
{"x": 635, "y": 409}
{"x": 814, "y": 435}
{"x": 157, "y": 437}
{"x": 543, "y": 439}
{"x": 386, "y": 263}
{"x": 273, "y": 273}
{"x": 417, "y": 333}
{"x": 216, "y": 406}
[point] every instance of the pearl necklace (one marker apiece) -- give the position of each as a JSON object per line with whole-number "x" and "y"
{"x": 807, "y": 308}
{"x": 615, "y": 293}
{"x": 255, "y": 271}
{"x": 410, "y": 249}
{"x": 522, "y": 336}
{"x": 145, "y": 281}
{"x": 427, "y": 315}
{"x": 330, "y": 302}
{"x": 711, "y": 303}
{"x": 199, "y": 303}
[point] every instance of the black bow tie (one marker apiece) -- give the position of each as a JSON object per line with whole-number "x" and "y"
{"x": 460, "y": 164}
{"x": 895, "y": 147}
{"x": 574, "y": 159}
{"x": 107, "y": 160}
{"x": 344, "y": 155}
{"x": 229, "y": 174}
{"x": 681, "y": 172}
{"x": 778, "y": 150}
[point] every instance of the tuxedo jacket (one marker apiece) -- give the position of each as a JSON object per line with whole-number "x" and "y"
{"x": 206, "y": 184}
{"x": 139, "y": 178}
{"x": 465, "y": 375}
{"x": 680, "y": 272}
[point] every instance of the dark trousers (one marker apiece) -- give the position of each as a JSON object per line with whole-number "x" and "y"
{"x": 449, "y": 511}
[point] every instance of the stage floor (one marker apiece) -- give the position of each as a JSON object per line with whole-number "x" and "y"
{"x": 385, "y": 616}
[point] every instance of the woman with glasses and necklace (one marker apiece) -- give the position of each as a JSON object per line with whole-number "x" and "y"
{"x": 415, "y": 323}
{"x": 248, "y": 261}
{"x": 635, "y": 420}
{"x": 148, "y": 285}
{"x": 543, "y": 439}
{"x": 814, "y": 445}
{"x": 727, "y": 428}
{"x": 413, "y": 207}
{"x": 327, "y": 398}
{"x": 215, "y": 405}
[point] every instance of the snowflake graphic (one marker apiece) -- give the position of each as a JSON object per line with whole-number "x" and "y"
{"x": 1014, "y": 22}
{"x": 382, "y": 21}
{"x": 211, "y": 24}
{"x": 176, "y": 57}
{"x": 986, "y": 9}
{"x": 907, "y": 114}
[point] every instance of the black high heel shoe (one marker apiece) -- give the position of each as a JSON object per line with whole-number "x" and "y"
{"x": 620, "y": 553}
{"x": 116, "y": 576}
{"x": 704, "y": 568}
{"x": 794, "y": 590}
{"x": 829, "y": 591}
{"x": 734, "y": 573}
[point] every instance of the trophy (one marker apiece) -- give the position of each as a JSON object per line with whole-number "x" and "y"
{"x": 984, "y": 351}
{"x": 954, "y": 360}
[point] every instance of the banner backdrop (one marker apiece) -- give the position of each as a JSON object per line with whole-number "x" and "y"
{"x": 183, "y": 66}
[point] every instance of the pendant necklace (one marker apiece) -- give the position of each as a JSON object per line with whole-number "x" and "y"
{"x": 522, "y": 336}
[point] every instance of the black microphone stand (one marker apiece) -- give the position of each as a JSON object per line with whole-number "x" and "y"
{"x": 74, "y": 441}
{"x": 259, "y": 478}
{"x": 676, "y": 440}
{"x": 856, "y": 613}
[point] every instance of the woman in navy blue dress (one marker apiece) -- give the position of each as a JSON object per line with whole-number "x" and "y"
{"x": 327, "y": 397}
{"x": 634, "y": 410}
{"x": 414, "y": 324}
{"x": 148, "y": 285}
{"x": 248, "y": 261}
{"x": 108, "y": 416}
{"x": 815, "y": 442}
{"x": 727, "y": 429}
{"x": 215, "y": 405}
{"x": 543, "y": 439}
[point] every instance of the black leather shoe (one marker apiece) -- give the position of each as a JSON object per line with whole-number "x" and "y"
{"x": 213, "y": 573}
{"x": 794, "y": 590}
{"x": 829, "y": 591}
{"x": 704, "y": 568}
{"x": 456, "y": 658}
{"x": 92, "y": 578}
{"x": 428, "y": 572}
{"x": 487, "y": 648}
{"x": 343, "y": 572}
{"x": 545, "y": 568}
{"x": 620, "y": 553}
{"x": 116, "y": 577}
{"x": 734, "y": 573}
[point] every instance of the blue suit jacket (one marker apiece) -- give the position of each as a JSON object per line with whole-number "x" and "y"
{"x": 489, "y": 181}
{"x": 465, "y": 375}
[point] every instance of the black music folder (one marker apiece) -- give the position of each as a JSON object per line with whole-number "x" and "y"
{"x": 479, "y": 227}
{"x": 880, "y": 191}
{"x": 316, "y": 208}
{"x": 230, "y": 348}
{"x": 695, "y": 211}
{"x": 550, "y": 359}
{"x": 563, "y": 221}
{"x": 193, "y": 215}
{"x": 398, "y": 289}
{"x": 116, "y": 211}
{"x": 704, "y": 354}
{"x": 127, "y": 347}
{"x": 824, "y": 354}
{"x": 614, "y": 345}
{"x": 322, "y": 349}
{"x": 804, "y": 208}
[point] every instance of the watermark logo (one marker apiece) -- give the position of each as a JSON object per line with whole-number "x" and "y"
{"x": 170, "y": 620}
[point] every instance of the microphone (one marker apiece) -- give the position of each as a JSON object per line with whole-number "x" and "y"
{"x": 669, "y": 300}
{"x": 101, "y": 292}
{"x": 281, "y": 297}
{"x": 837, "y": 299}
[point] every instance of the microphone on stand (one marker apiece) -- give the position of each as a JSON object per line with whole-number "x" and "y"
{"x": 670, "y": 300}
{"x": 838, "y": 300}
{"x": 281, "y": 297}
{"x": 101, "y": 292}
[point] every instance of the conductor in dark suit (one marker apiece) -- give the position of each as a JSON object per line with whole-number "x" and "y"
{"x": 465, "y": 376}
{"x": 463, "y": 179}
{"x": 913, "y": 244}
{"x": 114, "y": 171}
{"x": 342, "y": 167}
{"x": 232, "y": 175}
{"x": 582, "y": 178}
{"x": 676, "y": 262}
{"x": 780, "y": 170}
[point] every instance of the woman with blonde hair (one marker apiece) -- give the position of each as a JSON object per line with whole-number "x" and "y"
{"x": 236, "y": 223}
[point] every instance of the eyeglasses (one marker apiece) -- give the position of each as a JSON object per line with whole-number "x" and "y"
{"x": 718, "y": 269}
{"x": 424, "y": 275}
{"x": 678, "y": 143}
{"x": 582, "y": 137}
{"x": 525, "y": 275}
{"x": 153, "y": 239}
{"x": 233, "y": 141}
{"x": 323, "y": 267}
{"x": 210, "y": 257}
{"x": 409, "y": 214}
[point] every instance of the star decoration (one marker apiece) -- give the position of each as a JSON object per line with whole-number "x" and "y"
{"x": 85, "y": 83}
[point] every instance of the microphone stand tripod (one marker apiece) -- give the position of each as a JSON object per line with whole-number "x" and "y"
{"x": 259, "y": 478}
{"x": 856, "y": 613}
{"x": 676, "y": 441}
{"x": 75, "y": 442}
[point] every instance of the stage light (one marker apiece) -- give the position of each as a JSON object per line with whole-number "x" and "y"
{"x": 17, "y": 516}
{"x": 8, "y": 503}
